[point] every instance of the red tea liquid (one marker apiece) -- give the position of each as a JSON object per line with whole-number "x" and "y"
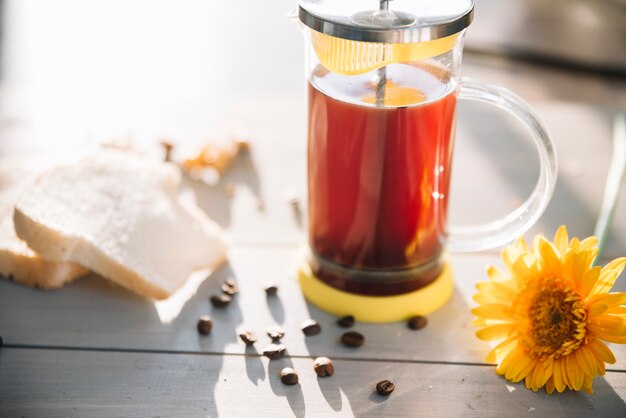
{"x": 378, "y": 175}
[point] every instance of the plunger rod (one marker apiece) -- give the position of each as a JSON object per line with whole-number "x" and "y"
{"x": 382, "y": 71}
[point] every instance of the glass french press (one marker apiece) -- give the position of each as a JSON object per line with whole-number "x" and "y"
{"x": 383, "y": 83}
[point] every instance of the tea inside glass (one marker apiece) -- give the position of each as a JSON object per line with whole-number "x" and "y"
{"x": 379, "y": 170}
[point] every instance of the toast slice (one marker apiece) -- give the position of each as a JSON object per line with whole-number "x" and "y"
{"x": 120, "y": 214}
{"x": 18, "y": 262}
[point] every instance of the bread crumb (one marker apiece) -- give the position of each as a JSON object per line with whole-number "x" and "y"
{"x": 216, "y": 156}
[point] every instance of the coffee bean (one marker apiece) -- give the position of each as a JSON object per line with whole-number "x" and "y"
{"x": 248, "y": 338}
{"x": 220, "y": 301}
{"x": 323, "y": 367}
{"x": 271, "y": 290}
{"x": 352, "y": 339}
{"x": 229, "y": 290}
{"x": 288, "y": 376}
{"x": 311, "y": 327}
{"x": 275, "y": 334}
{"x": 346, "y": 322}
{"x": 417, "y": 322}
{"x": 385, "y": 387}
{"x": 274, "y": 351}
{"x": 230, "y": 282}
{"x": 205, "y": 325}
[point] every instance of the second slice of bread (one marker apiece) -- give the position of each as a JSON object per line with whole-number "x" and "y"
{"x": 18, "y": 262}
{"x": 120, "y": 215}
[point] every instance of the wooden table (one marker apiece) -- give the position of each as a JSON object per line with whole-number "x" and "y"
{"x": 94, "y": 349}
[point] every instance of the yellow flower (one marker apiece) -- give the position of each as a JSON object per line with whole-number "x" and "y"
{"x": 551, "y": 309}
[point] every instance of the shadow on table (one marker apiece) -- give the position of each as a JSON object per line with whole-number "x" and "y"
{"x": 215, "y": 201}
{"x": 438, "y": 388}
{"x": 384, "y": 355}
{"x": 293, "y": 393}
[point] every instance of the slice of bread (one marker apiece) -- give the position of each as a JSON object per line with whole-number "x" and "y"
{"x": 18, "y": 262}
{"x": 120, "y": 215}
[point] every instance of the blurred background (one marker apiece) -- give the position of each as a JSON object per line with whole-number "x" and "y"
{"x": 77, "y": 72}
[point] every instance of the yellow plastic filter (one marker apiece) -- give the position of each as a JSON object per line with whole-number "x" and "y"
{"x": 349, "y": 57}
{"x": 377, "y": 308}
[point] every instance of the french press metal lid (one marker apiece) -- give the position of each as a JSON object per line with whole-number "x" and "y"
{"x": 397, "y": 21}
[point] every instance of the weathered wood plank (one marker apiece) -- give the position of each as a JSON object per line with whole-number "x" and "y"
{"x": 55, "y": 383}
{"x": 93, "y": 313}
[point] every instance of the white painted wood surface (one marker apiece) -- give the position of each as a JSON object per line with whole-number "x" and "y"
{"x": 92, "y": 349}
{"x": 64, "y": 383}
{"x": 94, "y": 314}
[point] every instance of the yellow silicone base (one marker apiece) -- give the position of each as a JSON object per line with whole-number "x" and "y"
{"x": 377, "y": 308}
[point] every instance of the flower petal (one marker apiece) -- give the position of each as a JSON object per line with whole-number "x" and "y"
{"x": 578, "y": 370}
{"x": 538, "y": 377}
{"x": 587, "y": 281}
{"x": 501, "y": 350}
{"x": 500, "y": 290}
{"x": 559, "y": 383}
{"x": 602, "y": 352}
{"x": 588, "y": 243}
{"x": 619, "y": 311}
{"x": 514, "y": 371}
{"x": 611, "y": 300}
{"x": 550, "y": 386}
{"x": 496, "y": 274}
{"x": 574, "y": 372}
{"x": 486, "y": 297}
{"x": 617, "y": 265}
{"x": 525, "y": 371}
{"x": 586, "y": 355}
{"x": 564, "y": 375}
{"x": 609, "y": 274}
{"x": 520, "y": 244}
{"x": 551, "y": 263}
{"x": 597, "y": 309}
{"x": 587, "y": 384}
{"x": 561, "y": 239}
{"x": 512, "y": 358}
{"x": 604, "y": 283}
{"x": 608, "y": 325}
{"x": 494, "y": 332}
{"x": 494, "y": 311}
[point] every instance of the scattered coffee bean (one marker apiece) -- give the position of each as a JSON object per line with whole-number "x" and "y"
{"x": 311, "y": 327}
{"x": 346, "y": 322}
{"x": 230, "y": 282}
{"x": 271, "y": 290}
{"x": 274, "y": 351}
{"x": 352, "y": 339}
{"x": 220, "y": 301}
{"x": 275, "y": 334}
{"x": 288, "y": 376}
{"x": 229, "y": 290}
{"x": 323, "y": 367}
{"x": 248, "y": 338}
{"x": 385, "y": 387}
{"x": 205, "y": 325}
{"x": 417, "y": 322}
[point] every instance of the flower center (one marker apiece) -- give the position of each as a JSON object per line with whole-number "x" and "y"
{"x": 557, "y": 320}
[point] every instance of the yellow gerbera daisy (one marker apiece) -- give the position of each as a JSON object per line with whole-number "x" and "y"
{"x": 551, "y": 309}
